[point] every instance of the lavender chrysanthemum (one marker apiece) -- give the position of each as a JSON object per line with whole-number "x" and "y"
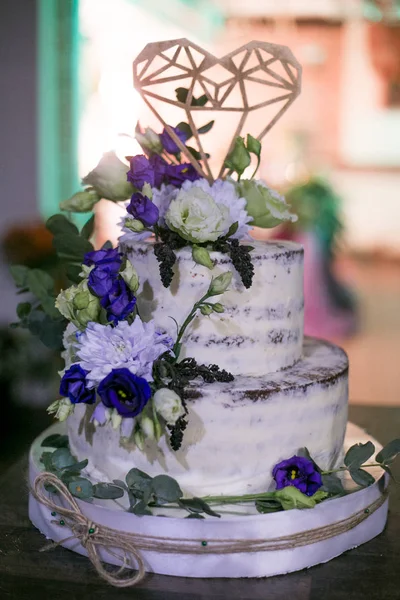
{"x": 102, "y": 348}
{"x": 224, "y": 192}
{"x": 162, "y": 198}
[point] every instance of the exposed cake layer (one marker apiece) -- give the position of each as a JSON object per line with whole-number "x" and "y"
{"x": 238, "y": 431}
{"x": 261, "y": 330}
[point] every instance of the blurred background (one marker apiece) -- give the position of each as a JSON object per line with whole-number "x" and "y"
{"x": 67, "y": 96}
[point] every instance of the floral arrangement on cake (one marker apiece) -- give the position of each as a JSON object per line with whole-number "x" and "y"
{"x": 129, "y": 369}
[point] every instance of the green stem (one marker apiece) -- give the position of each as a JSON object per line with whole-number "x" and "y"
{"x": 186, "y": 323}
{"x": 340, "y": 469}
{"x": 257, "y": 167}
{"x": 234, "y": 499}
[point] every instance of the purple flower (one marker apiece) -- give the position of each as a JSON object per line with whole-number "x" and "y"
{"x": 105, "y": 259}
{"x": 143, "y": 209}
{"x": 119, "y": 302}
{"x": 124, "y": 391}
{"x": 73, "y": 386}
{"x": 141, "y": 171}
{"x": 160, "y": 166}
{"x": 177, "y": 174}
{"x": 299, "y": 472}
{"x": 168, "y": 143}
{"x": 101, "y": 280}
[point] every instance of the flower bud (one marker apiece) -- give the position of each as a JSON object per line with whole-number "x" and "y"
{"x": 139, "y": 439}
{"x": 218, "y": 308}
{"x": 116, "y": 419}
{"x": 202, "y": 257}
{"x": 147, "y": 191}
{"x": 81, "y": 201}
{"x": 219, "y": 284}
{"x": 150, "y": 140}
{"x": 81, "y": 300}
{"x": 206, "y": 310}
{"x": 61, "y": 409}
{"x": 157, "y": 427}
{"x": 109, "y": 178}
{"x": 266, "y": 206}
{"x": 239, "y": 158}
{"x": 147, "y": 426}
{"x": 78, "y": 305}
{"x": 130, "y": 276}
{"x": 169, "y": 405}
{"x": 133, "y": 224}
{"x": 291, "y": 497}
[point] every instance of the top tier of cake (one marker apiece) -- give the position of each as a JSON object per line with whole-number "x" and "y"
{"x": 261, "y": 330}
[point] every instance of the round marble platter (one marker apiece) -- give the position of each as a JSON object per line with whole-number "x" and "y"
{"x": 232, "y": 525}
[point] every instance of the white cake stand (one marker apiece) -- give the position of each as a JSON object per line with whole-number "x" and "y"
{"x": 229, "y": 527}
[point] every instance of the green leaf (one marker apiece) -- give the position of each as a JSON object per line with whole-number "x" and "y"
{"x": 40, "y": 283}
{"x": 268, "y": 506}
{"x": 389, "y": 452}
{"x": 77, "y": 467}
{"x": 88, "y": 228}
{"x": 358, "y": 454}
{"x": 232, "y": 229}
{"x": 19, "y": 273}
{"x": 238, "y": 158}
{"x": 49, "y": 331}
{"x": 107, "y": 491}
{"x": 194, "y": 516}
{"x": 62, "y": 458}
{"x": 201, "y": 100}
{"x": 196, "y": 153}
{"x": 23, "y": 309}
{"x": 49, "y": 307}
{"x": 107, "y": 245}
{"x": 166, "y": 489}
{"x": 60, "y": 224}
{"x": 187, "y": 130}
{"x": 47, "y": 462}
{"x": 197, "y": 505}
{"x": 137, "y": 479}
{"x": 80, "y": 487}
{"x": 71, "y": 247}
{"x": 181, "y": 94}
{"x": 206, "y": 128}
{"x": 390, "y": 473}
{"x": 120, "y": 484}
{"x": 140, "y": 509}
{"x": 56, "y": 440}
{"x": 332, "y": 484}
{"x": 362, "y": 477}
{"x": 253, "y": 145}
{"x": 73, "y": 272}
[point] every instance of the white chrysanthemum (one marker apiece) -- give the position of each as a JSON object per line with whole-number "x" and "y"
{"x": 224, "y": 192}
{"x": 102, "y": 348}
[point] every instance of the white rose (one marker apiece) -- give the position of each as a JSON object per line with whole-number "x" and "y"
{"x": 196, "y": 216}
{"x": 109, "y": 178}
{"x": 169, "y": 405}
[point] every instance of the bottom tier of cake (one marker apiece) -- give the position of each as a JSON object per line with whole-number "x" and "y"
{"x": 238, "y": 431}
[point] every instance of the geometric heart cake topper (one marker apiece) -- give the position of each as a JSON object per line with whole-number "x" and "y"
{"x": 227, "y": 82}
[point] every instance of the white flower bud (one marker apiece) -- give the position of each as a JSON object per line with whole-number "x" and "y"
{"x": 150, "y": 140}
{"x": 133, "y": 224}
{"x": 109, "y": 178}
{"x": 147, "y": 426}
{"x": 139, "y": 439}
{"x": 81, "y": 201}
{"x": 130, "y": 276}
{"x": 206, "y": 310}
{"x": 202, "y": 257}
{"x": 116, "y": 419}
{"x": 169, "y": 405}
{"x": 221, "y": 283}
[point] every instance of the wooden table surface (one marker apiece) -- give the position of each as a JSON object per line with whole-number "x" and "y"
{"x": 369, "y": 572}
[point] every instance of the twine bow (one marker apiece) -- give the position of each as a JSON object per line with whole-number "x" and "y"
{"x": 90, "y": 535}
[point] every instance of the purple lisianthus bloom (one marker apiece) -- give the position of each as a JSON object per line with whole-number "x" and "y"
{"x": 143, "y": 209}
{"x": 74, "y": 386}
{"x": 109, "y": 259}
{"x": 101, "y": 280}
{"x": 160, "y": 166}
{"x": 119, "y": 302}
{"x": 177, "y": 174}
{"x": 299, "y": 472}
{"x": 125, "y": 392}
{"x": 141, "y": 171}
{"x": 168, "y": 143}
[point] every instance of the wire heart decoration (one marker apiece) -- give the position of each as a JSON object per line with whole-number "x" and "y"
{"x": 224, "y": 82}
